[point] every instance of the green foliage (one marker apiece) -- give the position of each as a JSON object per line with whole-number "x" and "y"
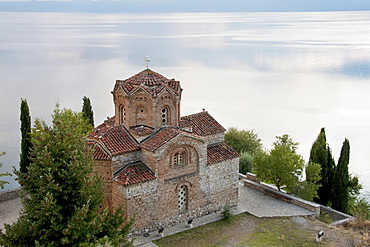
{"x": 87, "y": 110}
{"x": 340, "y": 196}
{"x": 25, "y": 136}
{"x": 307, "y": 189}
{"x": 326, "y": 218}
{"x": 354, "y": 187}
{"x": 2, "y": 174}
{"x": 361, "y": 210}
{"x": 281, "y": 165}
{"x": 227, "y": 211}
{"x": 321, "y": 154}
{"x": 64, "y": 195}
{"x": 243, "y": 140}
{"x": 245, "y": 163}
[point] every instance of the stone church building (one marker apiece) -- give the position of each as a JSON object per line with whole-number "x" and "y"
{"x": 165, "y": 169}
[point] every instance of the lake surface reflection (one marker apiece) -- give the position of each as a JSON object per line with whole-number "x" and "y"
{"x": 275, "y": 73}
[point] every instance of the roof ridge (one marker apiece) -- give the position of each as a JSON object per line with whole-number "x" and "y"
{"x": 157, "y": 143}
{"x": 129, "y": 134}
{"x": 156, "y": 132}
{"x": 196, "y": 114}
{"x": 216, "y": 143}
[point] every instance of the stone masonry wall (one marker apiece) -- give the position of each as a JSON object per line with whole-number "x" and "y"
{"x": 223, "y": 184}
{"x": 209, "y": 187}
{"x": 216, "y": 138}
{"x": 122, "y": 160}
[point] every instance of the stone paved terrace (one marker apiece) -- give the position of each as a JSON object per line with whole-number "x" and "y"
{"x": 251, "y": 201}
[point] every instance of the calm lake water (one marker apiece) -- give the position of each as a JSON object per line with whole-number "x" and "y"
{"x": 275, "y": 73}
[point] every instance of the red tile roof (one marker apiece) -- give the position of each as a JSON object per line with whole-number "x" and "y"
{"x": 102, "y": 128}
{"x": 150, "y": 81}
{"x": 141, "y": 130}
{"x": 220, "y": 152}
{"x": 117, "y": 140}
{"x": 203, "y": 124}
{"x": 100, "y": 153}
{"x": 112, "y": 139}
{"x": 134, "y": 173}
{"x": 160, "y": 138}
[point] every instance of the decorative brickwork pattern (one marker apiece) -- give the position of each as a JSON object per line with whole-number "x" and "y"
{"x": 147, "y": 79}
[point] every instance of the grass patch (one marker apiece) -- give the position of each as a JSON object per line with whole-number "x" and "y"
{"x": 248, "y": 230}
{"x": 326, "y": 218}
{"x": 210, "y": 235}
{"x": 244, "y": 230}
{"x": 279, "y": 232}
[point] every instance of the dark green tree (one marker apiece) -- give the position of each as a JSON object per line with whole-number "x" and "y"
{"x": 245, "y": 163}
{"x": 340, "y": 195}
{"x": 321, "y": 154}
{"x": 243, "y": 140}
{"x": 281, "y": 165}
{"x": 25, "y": 136}
{"x": 87, "y": 110}
{"x": 63, "y": 205}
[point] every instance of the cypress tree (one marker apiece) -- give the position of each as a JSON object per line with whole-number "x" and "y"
{"x": 321, "y": 154}
{"x": 340, "y": 193}
{"x": 25, "y": 136}
{"x": 87, "y": 110}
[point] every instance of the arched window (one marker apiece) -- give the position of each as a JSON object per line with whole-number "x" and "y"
{"x": 179, "y": 158}
{"x": 183, "y": 199}
{"x": 165, "y": 116}
{"x": 122, "y": 114}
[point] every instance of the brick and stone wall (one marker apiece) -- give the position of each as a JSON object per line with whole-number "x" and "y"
{"x": 156, "y": 203}
{"x": 119, "y": 161}
{"x": 216, "y": 138}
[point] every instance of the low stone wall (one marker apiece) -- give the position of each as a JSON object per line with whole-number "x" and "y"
{"x": 251, "y": 181}
{"x": 10, "y": 194}
{"x": 338, "y": 217}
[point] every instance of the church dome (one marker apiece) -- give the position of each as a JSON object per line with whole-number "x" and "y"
{"x": 150, "y": 81}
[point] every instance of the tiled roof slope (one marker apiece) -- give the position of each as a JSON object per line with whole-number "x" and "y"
{"x": 160, "y": 138}
{"x": 99, "y": 153}
{"x": 220, "y": 152}
{"x": 203, "y": 124}
{"x": 114, "y": 139}
{"x": 134, "y": 173}
{"x": 150, "y": 81}
{"x": 117, "y": 141}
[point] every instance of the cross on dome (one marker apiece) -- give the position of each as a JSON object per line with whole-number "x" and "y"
{"x": 147, "y": 60}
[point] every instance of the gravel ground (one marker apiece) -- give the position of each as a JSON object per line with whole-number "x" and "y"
{"x": 261, "y": 205}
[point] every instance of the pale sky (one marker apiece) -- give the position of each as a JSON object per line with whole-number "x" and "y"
{"x": 183, "y": 5}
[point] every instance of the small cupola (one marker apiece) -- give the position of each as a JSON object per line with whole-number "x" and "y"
{"x": 147, "y": 99}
